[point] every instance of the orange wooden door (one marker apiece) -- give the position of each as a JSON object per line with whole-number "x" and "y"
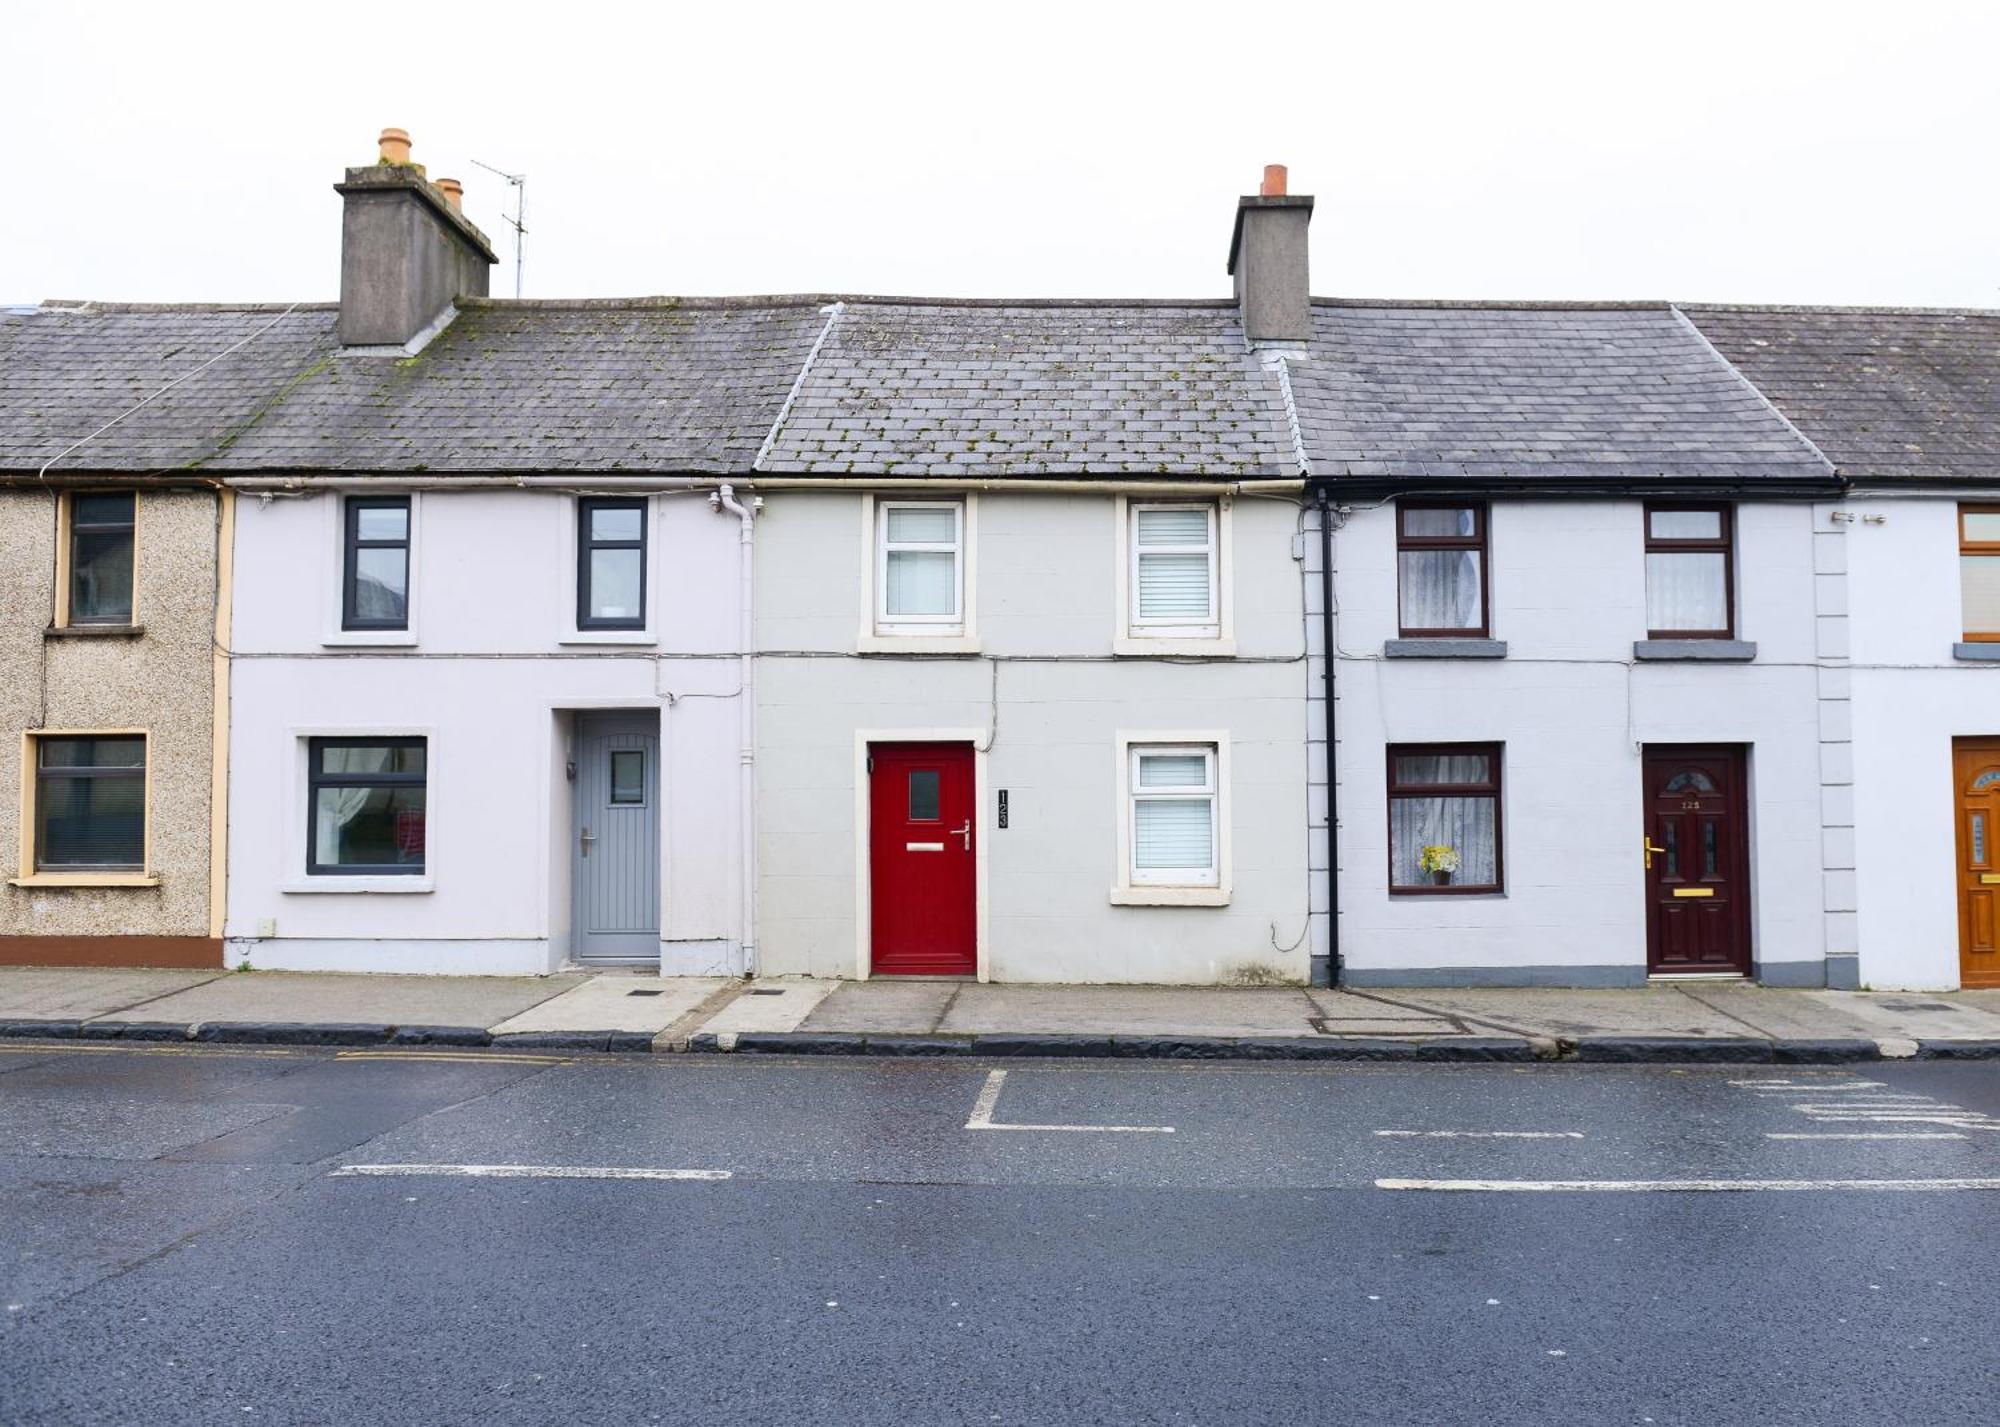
{"x": 1976, "y": 764}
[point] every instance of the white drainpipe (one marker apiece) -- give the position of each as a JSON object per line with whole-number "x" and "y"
{"x": 746, "y": 775}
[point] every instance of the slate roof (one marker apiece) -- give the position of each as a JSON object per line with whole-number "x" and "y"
{"x": 1538, "y": 391}
{"x": 1044, "y": 389}
{"x": 1898, "y": 394}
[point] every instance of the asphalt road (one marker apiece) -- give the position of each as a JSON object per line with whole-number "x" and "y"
{"x": 230, "y": 1235}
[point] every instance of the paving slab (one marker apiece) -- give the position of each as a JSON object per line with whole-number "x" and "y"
{"x": 1651, "y": 1011}
{"x": 1132, "y": 1010}
{"x": 770, "y": 1006}
{"x": 647, "y": 1004}
{"x": 300, "y": 997}
{"x": 1345, "y": 1014}
{"x": 890, "y": 1007}
{"x": 49, "y": 993}
{"x": 1917, "y": 1015}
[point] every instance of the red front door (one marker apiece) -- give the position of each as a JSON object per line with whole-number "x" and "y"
{"x": 922, "y": 892}
{"x": 1697, "y": 861}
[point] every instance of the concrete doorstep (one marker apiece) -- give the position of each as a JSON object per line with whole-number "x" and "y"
{"x": 1681, "y": 1024}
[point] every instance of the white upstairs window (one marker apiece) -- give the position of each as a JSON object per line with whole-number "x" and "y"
{"x": 1173, "y": 811}
{"x": 1174, "y": 570}
{"x": 920, "y": 567}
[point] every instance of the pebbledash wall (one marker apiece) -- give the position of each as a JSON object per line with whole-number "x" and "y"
{"x": 1045, "y": 699}
{"x": 1572, "y": 708}
{"x": 492, "y": 673}
{"x": 158, "y": 679}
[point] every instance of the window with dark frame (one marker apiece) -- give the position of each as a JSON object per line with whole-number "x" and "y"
{"x": 1979, "y": 571}
{"x": 1441, "y": 560}
{"x": 366, "y": 807}
{"x": 1690, "y": 590}
{"x": 1444, "y": 818}
{"x": 90, "y": 803}
{"x": 611, "y": 563}
{"x": 375, "y": 589}
{"x": 101, "y": 557}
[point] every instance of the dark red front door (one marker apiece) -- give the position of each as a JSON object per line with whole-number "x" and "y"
{"x": 1697, "y": 861}
{"x": 923, "y": 895}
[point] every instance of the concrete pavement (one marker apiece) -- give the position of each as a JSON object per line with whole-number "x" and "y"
{"x": 617, "y": 1011}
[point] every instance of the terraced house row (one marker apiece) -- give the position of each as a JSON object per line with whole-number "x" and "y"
{"x": 1261, "y": 639}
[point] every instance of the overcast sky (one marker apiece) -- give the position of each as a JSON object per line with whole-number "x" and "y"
{"x": 1753, "y": 151}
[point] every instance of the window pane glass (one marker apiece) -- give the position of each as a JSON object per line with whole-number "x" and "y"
{"x": 1173, "y": 770}
{"x": 923, "y": 795}
{"x": 1686, "y": 524}
{"x": 93, "y": 752}
{"x": 101, "y": 509}
{"x": 91, "y": 821}
{"x": 628, "y": 776}
{"x": 615, "y": 523}
{"x": 1687, "y": 591}
{"x": 382, "y": 522}
{"x": 614, "y": 584}
{"x": 924, "y": 525}
{"x": 1462, "y": 521}
{"x": 1417, "y": 769}
{"x": 101, "y": 577}
{"x": 1174, "y": 587}
{"x": 1440, "y": 589}
{"x": 1172, "y": 834}
{"x": 1465, "y": 825}
{"x": 1979, "y": 582}
{"x": 1174, "y": 527}
{"x": 372, "y": 758}
{"x": 369, "y": 827}
{"x": 381, "y": 580}
{"x": 1982, "y": 525}
{"x": 922, "y": 582}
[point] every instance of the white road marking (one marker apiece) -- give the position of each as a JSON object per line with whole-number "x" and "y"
{"x": 1674, "y": 1186}
{"x": 528, "y": 1171}
{"x": 1482, "y": 1134}
{"x": 1862, "y": 1135}
{"x": 989, "y": 1097}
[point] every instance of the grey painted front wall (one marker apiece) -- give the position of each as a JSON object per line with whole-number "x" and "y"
{"x": 1045, "y": 700}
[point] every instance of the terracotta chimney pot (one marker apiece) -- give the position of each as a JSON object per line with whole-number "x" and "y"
{"x": 1274, "y": 182}
{"x": 395, "y": 146}
{"x": 454, "y": 193}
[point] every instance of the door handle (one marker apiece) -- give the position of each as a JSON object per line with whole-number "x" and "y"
{"x": 1650, "y": 847}
{"x": 964, "y": 832}
{"x": 586, "y": 839}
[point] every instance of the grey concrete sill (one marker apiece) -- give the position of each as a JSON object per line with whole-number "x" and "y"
{"x": 1977, "y": 653}
{"x": 93, "y": 631}
{"x": 1444, "y": 649}
{"x": 1713, "y": 651}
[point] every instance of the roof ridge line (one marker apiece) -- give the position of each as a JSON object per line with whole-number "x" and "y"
{"x": 1756, "y": 391}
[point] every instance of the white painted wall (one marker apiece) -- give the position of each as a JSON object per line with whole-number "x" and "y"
{"x": 1047, "y": 699}
{"x": 1911, "y": 699}
{"x": 1573, "y": 709}
{"x": 490, "y": 672}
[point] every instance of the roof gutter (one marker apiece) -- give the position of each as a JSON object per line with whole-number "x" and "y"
{"x": 586, "y": 480}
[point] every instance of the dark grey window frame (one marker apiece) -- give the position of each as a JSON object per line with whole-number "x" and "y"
{"x": 42, "y": 772}
{"x": 315, "y": 780}
{"x": 101, "y": 527}
{"x": 351, "y": 546}
{"x": 585, "y": 507}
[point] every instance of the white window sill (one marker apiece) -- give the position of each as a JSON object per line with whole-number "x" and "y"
{"x": 357, "y": 884}
{"x": 917, "y": 644}
{"x": 369, "y": 639}
{"x": 1159, "y": 646}
{"x": 1169, "y": 896}
{"x": 85, "y": 879}
{"x": 629, "y": 637}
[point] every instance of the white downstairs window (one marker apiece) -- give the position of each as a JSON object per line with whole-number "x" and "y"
{"x": 920, "y": 567}
{"x": 1173, "y": 816}
{"x": 1174, "y": 571}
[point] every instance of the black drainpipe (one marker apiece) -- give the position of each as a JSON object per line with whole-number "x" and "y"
{"x": 1332, "y": 795}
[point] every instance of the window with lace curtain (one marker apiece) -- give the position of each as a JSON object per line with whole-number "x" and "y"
{"x": 1688, "y": 585}
{"x": 1441, "y": 570}
{"x": 1444, "y": 817}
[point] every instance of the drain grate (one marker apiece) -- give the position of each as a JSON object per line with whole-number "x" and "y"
{"x": 767, "y": 991}
{"x": 646, "y": 991}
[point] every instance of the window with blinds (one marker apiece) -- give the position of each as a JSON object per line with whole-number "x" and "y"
{"x": 1173, "y": 811}
{"x": 920, "y": 581}
{"x": 1174, "y": 571}
{"x": 90, "y": 802}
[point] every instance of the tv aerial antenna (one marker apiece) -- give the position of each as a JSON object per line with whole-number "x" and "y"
{"x": 519, "y": 181}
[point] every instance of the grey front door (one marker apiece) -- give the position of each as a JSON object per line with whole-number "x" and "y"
{"x": 616, "y": 855}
